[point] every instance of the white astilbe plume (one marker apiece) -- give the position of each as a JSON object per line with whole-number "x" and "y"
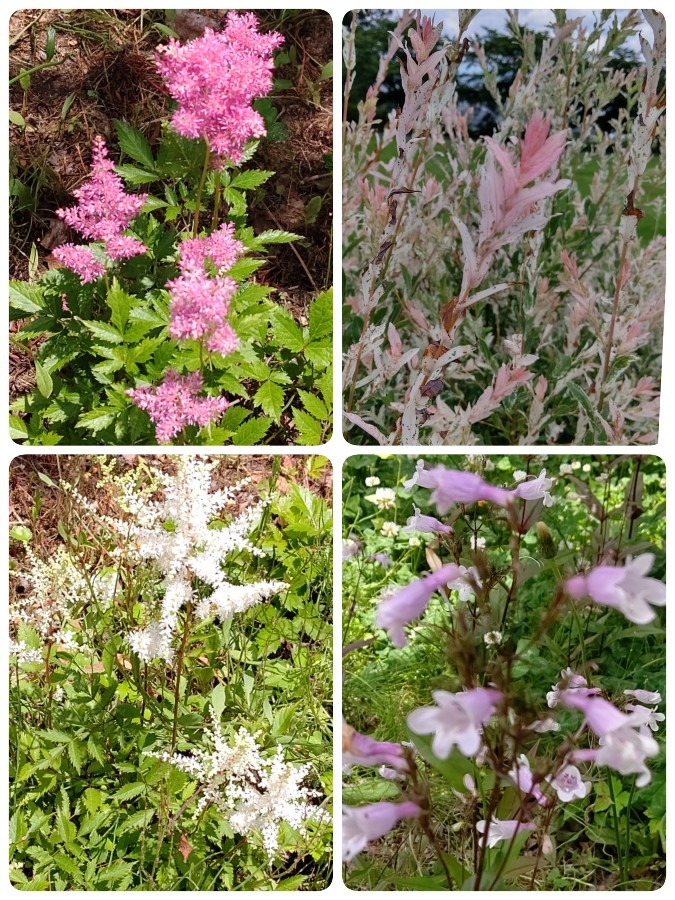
{"x": 254, "y": 794}
{"x": 54, "y": 587}
{"x": 177, "y": 533}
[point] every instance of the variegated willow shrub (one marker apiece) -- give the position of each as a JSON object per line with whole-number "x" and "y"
{"x": 504, "y": 669}
{"x": 507, "y": 289}
{"x": 155, "y": 331}
{"x": 170, "y": 674}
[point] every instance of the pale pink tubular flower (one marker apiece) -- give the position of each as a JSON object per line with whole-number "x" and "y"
{"x": 521, "y": 773}
{"x": 569, "y": 681}
{"x": 536, "y": 489}
{"x": 410, "y": 602}
{"x": 568, "y": 784}
{"x": 652, "y": 717}
{"x": 361, "y": 750}
{"x": 625, "y": 588}
{"x": 502, "y": 829}
{"x": 215, "y": 79}
{"x": 600, "y": 715}
{"x": 456, "y": 720}
{"x": 626, "y": 750}
{"x": 452, "y": 486}
{"x": 644, "y": 696}
{"x": 362, "y": 824}
{"x": 425, "y": 524}
{"x": 175, "y": 403}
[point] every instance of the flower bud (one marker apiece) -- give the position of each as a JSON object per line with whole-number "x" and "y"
{"x": 546, "y": 542}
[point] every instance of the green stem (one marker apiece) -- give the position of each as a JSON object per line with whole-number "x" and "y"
{"x": 200, "y": 188}
{"x": 617, "y": 834}
{"x": 179, "y": 671}
{"x": 44, "y": 65}
{"x": 216, "y": 202}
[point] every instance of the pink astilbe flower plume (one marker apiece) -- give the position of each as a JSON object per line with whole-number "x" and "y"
{"x": 103, "y": 211}
{"x": 199, "y": 303}
{"x": 215, "y": 78}
{"x": 175, "y": 403}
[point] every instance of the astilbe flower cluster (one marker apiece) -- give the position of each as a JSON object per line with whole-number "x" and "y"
{"x": 52, "y": 589}
{"x": 199, "y": 303}
{"x": 215, "y": 78}
{"x": 175, "y": 533}
{"x": 176, "y": 402}
{"x": 254, "y": 793}
{"x": 103, "y": 211}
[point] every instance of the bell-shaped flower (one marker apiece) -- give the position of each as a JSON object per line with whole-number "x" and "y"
{"x": 568, "y": 784}
{"x": 537, "y": 489}
{"x": 361, "y": 750}
{"x": 644, "y": 696}
{"x": 626, "y": 750}
{"x": 521, "y": 773}
{"x": 569, "y": 681}
{"x": 362, "y": 824}
{"x": 625, "y": 588}
{"x": 425, "y": 524}
{"x": 502, "y": 829}
{"x": 652, "y": 717}
{"x": 409, "y": 603}
{"x": 600, "y": 715}
{"x": 452, "y": 486}
{"x": 455, "y": 720}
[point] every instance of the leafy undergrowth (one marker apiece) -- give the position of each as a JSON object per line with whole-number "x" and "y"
{"x": 108, "y": 719}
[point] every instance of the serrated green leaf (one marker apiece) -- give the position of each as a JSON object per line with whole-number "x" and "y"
{"x": 321, "y": 315}
{"x": 313, "y": 404}
{"x": 129, "y": 791}
{"x": 76, "y": 754}
{"x": 309, "y": 429}
{"x": 252, "y": 179}
{"x": 286, "y": 332}
{"x": 275, "y": 236}
{"x": 26, "y": 297}
{"x": 69, "y": 866}
{"x": 244, "y": 268}
{"x": 134, "y": 144}
{"x": 96, "y": 420}
{"x": 43, "y": 380}
{"x": 135, "y": 175}
{"x": 18, "y": 430}
{"x": 270, "y": 397}
{"x": 103, "y": 331}
{"x": 120, "y": 304}
{"x": 252, "y": 432}
{"x": 319, "y": 353}
{"x": 92, "y": 799}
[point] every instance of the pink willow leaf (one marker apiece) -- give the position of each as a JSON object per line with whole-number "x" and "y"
{"x": 483, "y": 295}
{"x": 505, "y": 160}
{"x": 470, "y": 277}
{"x": 544, "y": 159}
{"x": 523, "y": 200}
{"x": 369, "y": 429}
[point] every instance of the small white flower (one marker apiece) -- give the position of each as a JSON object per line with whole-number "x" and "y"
{"x": 493, "y": 638}
{"x": 586, "y": 467}
{"x": 383, "y": 498}
{"x": 519, "y": 475}
{"x": 565, "y": 469}
{"x": 390, "y": 529}
{"x": 541, "y": 726}
{"x": 58, "y": 694}
{"x": 576, "y": 464}
{"x": 372, "y": 481}
{"x": 477, "y": 543}
{"x": 414, "y": 542}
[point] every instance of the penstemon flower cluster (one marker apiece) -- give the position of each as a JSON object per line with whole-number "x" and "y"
{"x": 551, "y": 748}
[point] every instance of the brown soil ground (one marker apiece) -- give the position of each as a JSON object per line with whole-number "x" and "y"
{"x": 103, "y": 70}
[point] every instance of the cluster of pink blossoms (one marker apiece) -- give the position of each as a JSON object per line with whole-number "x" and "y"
{"x": 215, "y": 78}
{"x": 175, "y": 404}
{"x": 103, "y": 211}
{"x": 200, "y": 303}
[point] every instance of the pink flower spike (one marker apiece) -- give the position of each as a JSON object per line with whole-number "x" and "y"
{"x": 361, "y": 750}
{"x": 80, "y": 260}
{"x": 362, "y": 824}
{"x": 455, "y": 720}
{"x": 175, "y": 403}
{"x": 410, "y": 602}
{"x": 502, "y": 829}
{"x": 625, "y": 588}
